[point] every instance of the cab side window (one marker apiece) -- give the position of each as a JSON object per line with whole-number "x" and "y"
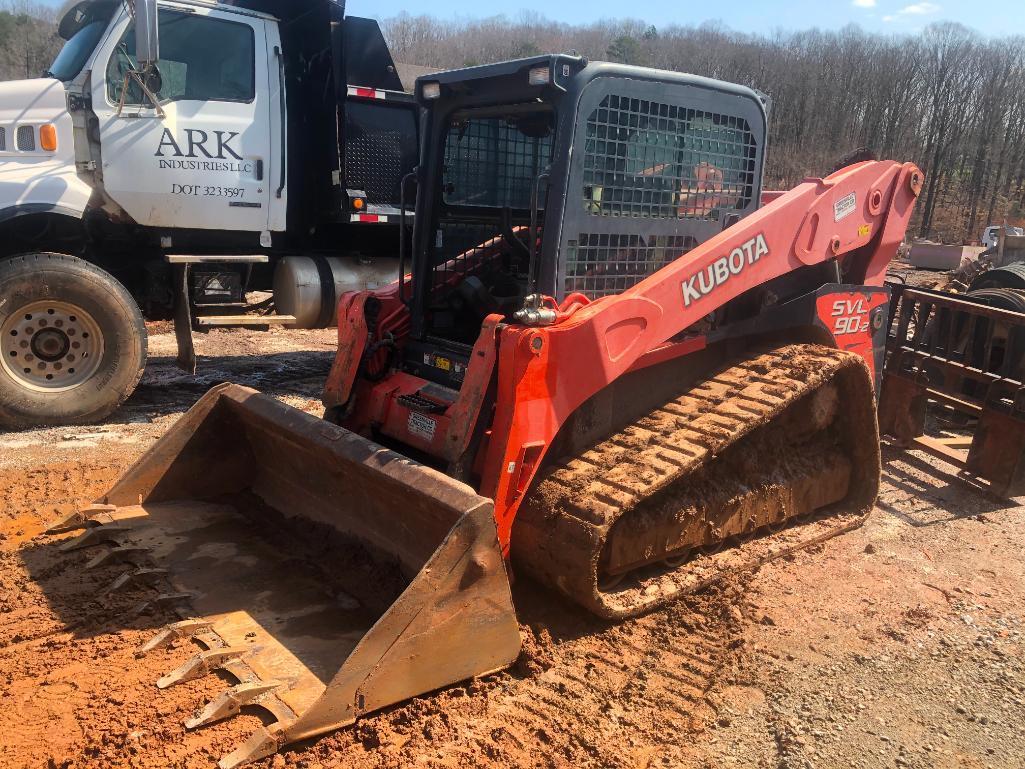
{"x": 201, "y": 58}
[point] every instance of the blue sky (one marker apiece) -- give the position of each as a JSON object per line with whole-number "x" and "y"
{"x": 991, "y": 17}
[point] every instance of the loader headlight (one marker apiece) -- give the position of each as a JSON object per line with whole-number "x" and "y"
{"x": 430, "y": 90}
{"x": 539, "y": 75}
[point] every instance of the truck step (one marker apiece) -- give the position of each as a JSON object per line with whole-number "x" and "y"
{"x": 216, "y": 258}
{"x": 209, "y": 321}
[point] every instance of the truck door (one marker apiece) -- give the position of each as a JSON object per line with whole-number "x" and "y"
{"x": 205, "y": 161}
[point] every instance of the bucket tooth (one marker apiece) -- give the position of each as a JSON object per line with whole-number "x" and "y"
{"x": 186, "y": 628}
{"x": 202, "y": 664}
{"x": 237, "y": 668}
{"x": 96, "y": 535}
{"x": 142, "y": 575}
{"x": 230, "y": 702}
{"x": 94, "y": 515}
{"x": 160, "y": 601}
{"x": 262, "y": 743}
{"x": 117, "y": 554}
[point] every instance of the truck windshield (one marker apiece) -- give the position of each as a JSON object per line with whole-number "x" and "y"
{"x": 73, "y": 56}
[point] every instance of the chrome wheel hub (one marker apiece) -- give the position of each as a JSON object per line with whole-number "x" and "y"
{"x": 50, "y": 346}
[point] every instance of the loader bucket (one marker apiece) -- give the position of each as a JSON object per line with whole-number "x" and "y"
{"x": 329, "y": 576}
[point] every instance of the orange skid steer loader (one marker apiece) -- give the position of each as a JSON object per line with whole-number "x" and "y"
{"x": 606, "y": 361}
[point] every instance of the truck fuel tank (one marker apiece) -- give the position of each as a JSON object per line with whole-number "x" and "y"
{"x": 308, "y": 287}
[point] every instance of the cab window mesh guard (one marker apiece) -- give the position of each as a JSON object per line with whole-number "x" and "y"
{"x": 649, "y": 159}
{"x": 489, "y": 169}
{"x": 490, "y": 162}
{"x": 602, "y": 264}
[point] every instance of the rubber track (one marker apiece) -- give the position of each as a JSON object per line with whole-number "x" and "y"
{"x": 562, "y": 526}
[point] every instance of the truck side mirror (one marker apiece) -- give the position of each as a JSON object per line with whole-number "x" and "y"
{"x": 147, "y": 39}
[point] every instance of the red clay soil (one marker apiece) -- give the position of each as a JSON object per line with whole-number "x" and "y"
{"x": 74, "y": 694}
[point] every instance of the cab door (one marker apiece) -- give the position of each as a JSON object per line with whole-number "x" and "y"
{"x": 199, "y": 158}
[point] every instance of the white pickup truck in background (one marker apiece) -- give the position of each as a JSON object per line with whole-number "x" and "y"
{"x": 991, "y": 235}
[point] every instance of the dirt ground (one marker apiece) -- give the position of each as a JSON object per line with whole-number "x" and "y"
{"x": 900, "y": 644}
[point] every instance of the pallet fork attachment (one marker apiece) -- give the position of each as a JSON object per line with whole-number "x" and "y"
{"x": 326, "y": 574}
{"x": 969, "y": 358}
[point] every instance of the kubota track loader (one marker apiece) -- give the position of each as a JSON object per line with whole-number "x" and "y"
{"x": 606, "y": 361}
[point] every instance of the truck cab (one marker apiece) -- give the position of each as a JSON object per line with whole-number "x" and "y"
{"x": 249, "y": 145}
{"x": 192, "y": 148}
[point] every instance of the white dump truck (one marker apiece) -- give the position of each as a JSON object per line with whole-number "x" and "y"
{"x": 174, "y": 157}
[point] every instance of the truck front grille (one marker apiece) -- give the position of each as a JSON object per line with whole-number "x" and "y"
{"x": 26, "y": 138}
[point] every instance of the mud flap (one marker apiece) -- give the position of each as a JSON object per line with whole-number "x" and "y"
{"x": 183, "y": 320}
{"x": 326, "y": 574}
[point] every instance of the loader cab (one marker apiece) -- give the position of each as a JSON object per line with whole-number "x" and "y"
{"x": 553, "y": 175}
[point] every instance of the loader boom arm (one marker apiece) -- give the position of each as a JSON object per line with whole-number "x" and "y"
{"x": 857, "y": 215}
{"x": 538, "y": 376}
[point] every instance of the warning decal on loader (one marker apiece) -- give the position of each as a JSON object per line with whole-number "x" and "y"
{"x": 421, "y": 425}
{"x": 844, "y": 207}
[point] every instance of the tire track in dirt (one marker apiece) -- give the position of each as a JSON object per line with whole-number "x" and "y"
{"x": 584, "y": 693}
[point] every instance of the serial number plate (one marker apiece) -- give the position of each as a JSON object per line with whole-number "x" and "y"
{"x": 845, "y": 206}
{"x": 421, "y": 425}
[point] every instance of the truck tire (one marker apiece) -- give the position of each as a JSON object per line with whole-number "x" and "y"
{"x": 72, "y": 341}
{"x": 1008, "y": 276}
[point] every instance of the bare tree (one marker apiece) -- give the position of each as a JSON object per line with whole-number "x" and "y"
{"x": 947, "y": 99}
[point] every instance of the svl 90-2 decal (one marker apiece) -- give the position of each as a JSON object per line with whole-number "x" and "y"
{"x": 850, "y": 316}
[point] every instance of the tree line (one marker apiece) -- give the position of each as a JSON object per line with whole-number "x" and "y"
{"x": 947, "y": 98}
{"x": 28, "y": 39}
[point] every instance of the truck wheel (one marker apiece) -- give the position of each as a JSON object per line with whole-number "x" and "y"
{"x": 72, "y": 341}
